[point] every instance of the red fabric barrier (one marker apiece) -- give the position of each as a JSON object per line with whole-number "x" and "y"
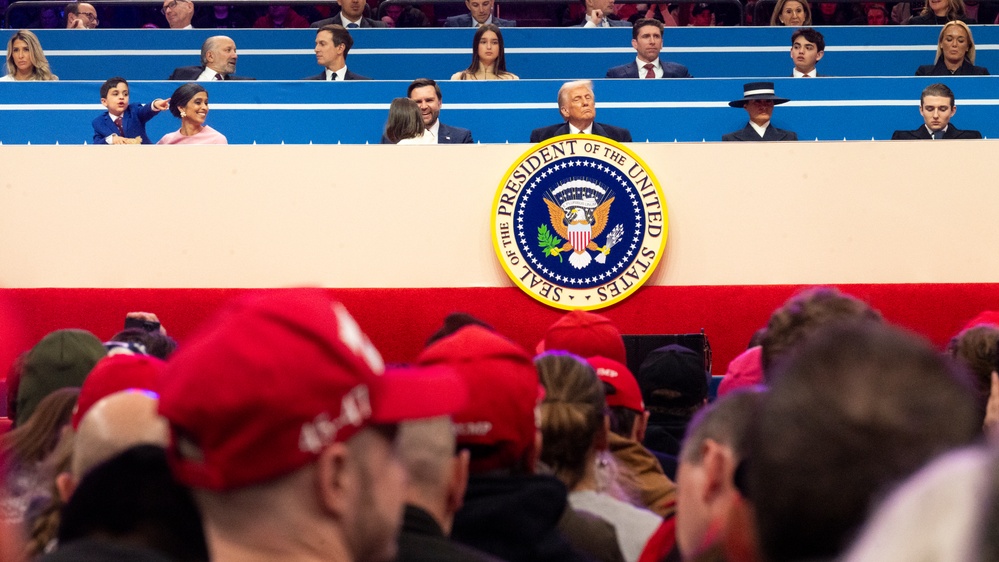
{"x": 399, "y": 320}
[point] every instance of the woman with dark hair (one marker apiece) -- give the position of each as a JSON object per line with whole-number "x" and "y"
{"x": 190, "y": 103}
{"x": 405, "y": 123}
{"x": 25, "y": 59}
{"x": 955, "y": 53}
{"x": 938, "y": 12}
{"x": 488, "y": 57}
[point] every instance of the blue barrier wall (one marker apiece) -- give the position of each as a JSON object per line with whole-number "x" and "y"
{"x": 540, "y": 53}
{"x": 505, "y": 111}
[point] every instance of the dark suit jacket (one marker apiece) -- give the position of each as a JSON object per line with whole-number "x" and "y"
{"x": 630, "y": 70}
{"x": 772, "y": 134}
{"x": 610, "y": 22}
{"x": 921, "y": 133}
{"x": 465, "y": 20}
{"x": 446, "y": 135}
{"x": 335, "y": 20}
{"x": 192, "y": 73}
{"x": 421, "y": 539}
{"x": 614, "y": 133}
{"x": 348, "y": 76}
{"x": 133, "y": 121}
{"x": 940, "y": 69}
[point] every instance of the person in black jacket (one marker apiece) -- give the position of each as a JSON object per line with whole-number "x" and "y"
{"x": 955, "y": 53}
{"x": 936, "y": 105}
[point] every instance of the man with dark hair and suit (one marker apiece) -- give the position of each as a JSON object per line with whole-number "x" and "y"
{"x": 597, "y": 12}
{"x": 578, "y": 107}
{"x": 333, "y": 42}
{"x": 936, "y": 105}
{"x": 480, "y": 12}
{"x": 807, "y": 48}
{"x": 647, "y": 40}
{"x": 758, "y": 100}
{"x": 427, "y": 94}
{"x": 351, "y": 16}
{"x": 218, "y": 62}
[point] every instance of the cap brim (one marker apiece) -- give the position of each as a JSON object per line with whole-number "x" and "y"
{"x": 410, "y": 393}
{"x": 742, "y": 102}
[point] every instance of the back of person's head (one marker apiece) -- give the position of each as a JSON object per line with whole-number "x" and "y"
{"x": 938, "y": 90}
{"x": 854, "y": 410}
{"x": 726, "y": 421}
{"x": 673, "y": 382}
{"x": 585, "y": 334}
{"x": 812, "y": 36}
{"x": 978, "y": 349}
{"x": 156, "y": 344}
{"x": 61, "y": 359}
{"x": 183, "y": 95}
{"x": 116, "y": 422}
{"x": 572, "y": 414}
{"x": 404, "y": 120}
{"x": 798, "y": 318}
{"x": 116, "y": 373}
{"x": 623, "y": 396}
{"x": 32, "y": 442}
{"x": 133, "y": 498}
{"x": 454, "y": 322}
{"x": 498, "y": 424}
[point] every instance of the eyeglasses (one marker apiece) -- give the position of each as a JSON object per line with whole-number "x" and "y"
{"x": 91, "y": 17}
{"x": 171, "y": 5}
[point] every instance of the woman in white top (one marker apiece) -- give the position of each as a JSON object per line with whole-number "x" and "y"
{"x": 25, "y": 59}
{"x": 488, "y": 57}
{"x": 405, "y": 123}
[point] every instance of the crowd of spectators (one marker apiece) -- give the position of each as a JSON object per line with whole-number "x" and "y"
{"x": 277, "y": 432}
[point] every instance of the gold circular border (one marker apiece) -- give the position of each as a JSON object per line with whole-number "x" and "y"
{"x": 497, "y": 245}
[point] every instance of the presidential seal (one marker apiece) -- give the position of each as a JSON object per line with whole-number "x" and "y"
{"x": 579, "y": 221}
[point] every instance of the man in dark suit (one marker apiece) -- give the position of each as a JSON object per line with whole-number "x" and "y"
{"x": 578, "y": 108}
{"x": 218, "y": 62}
{"x": 936, "y": 105}
{"x": 480, "y": 12}
{"x": 427, "y": 94}
{"x": 807, "y": 48}
{"x": 333, "y": 42}
{"x": 597, "y": 12}
{"x": 758, "y": 100}
{"x": 351, "y": 16}
{"x": 647, "y": 40}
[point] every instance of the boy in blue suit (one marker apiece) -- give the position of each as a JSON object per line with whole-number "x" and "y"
{"x": 130, "y": 117}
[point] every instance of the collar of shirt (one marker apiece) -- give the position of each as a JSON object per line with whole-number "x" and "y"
{"x": 798, "y": 74}
{"x": 113, "y": 116}
{"x": 207, "y": 74}
{"x": 760, "y": 130}
{"x": 657, "y": 67}
{"x": 587, "y": 131}
{"x": 340, "y": 74}
{"x": 345, "y": 20}
{"x": 434, "y": 131}
{"x": 488, "y": 21}
{"x": 930, "y": 131}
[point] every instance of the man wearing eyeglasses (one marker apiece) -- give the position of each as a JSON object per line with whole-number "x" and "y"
{"x": 80, "y": 15}
{"x": 178, "y": 13}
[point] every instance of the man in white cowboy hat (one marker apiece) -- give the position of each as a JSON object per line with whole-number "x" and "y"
{"x": 758, "y": 100}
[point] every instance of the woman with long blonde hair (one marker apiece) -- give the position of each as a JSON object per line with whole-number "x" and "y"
{"x": 25, "y": 59}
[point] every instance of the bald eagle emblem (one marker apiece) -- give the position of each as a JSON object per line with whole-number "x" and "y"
{"x": 578, "y": 210}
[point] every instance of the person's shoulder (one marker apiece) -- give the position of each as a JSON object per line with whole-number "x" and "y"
{"x": 327, "y": 21}
{"x": 500, "y": 22}
{"x": 966, "y": 133}
{"x": 460, "y": 75}
{"x": 925, "y": 70}
{"x": 234, "y": 77}
{"x": 979, "y": 70}
{"x": 320, "y": 76}
{"x": 456, "y": 135}
{"x": 904, "y": 135}
{"x": 186, "y": 72}
{"x": 618, "y": 23}
{"x": 461, "y": 20}
{"x": 624, "y": 71}
{"x": 674, "y": 70}
{"x": 509, "y": 76}
{"x": 352, "y": 76}
{"x": 375, "y": 23}
{"x": 619, "y": 134}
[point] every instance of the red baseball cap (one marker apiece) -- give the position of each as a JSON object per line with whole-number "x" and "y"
{"x": 276, "y": 378}
{"x": 116, "y": 373}
{"x": 503, "y": 389}
{"x": 744, "y": 370}
{"x": 586, "y": 334}
{"x": 625, "y": 388}
{"x": 990, "y": 317}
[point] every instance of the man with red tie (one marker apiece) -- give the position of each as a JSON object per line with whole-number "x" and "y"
{"x": 647, "y": 40}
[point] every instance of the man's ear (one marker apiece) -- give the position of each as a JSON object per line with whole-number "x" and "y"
{"x": 66, "y": 485}
{"x": 634, "y": 44}
{"x": 564, "y": 111}
{"x": 334, "y": 481}
{"x": 459, "y": 481}
{"x": 719, "y": 468}
{"x": 953, "y": 110}
{"x": 641, "y": 424}
{"x": 818, "y": 57}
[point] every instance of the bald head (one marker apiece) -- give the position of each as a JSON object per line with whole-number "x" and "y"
{"x": 437, "y": 477}
{"x": 115, "y": 423}
{"x": 219, "y": 54}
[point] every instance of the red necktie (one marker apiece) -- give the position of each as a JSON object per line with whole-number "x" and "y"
{"x": 117, "y": 123}
{"x": 648, "y": 70}
{"x": 218, "y": 76}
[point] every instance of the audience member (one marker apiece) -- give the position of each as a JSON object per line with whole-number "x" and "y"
{"x": 856, "y": 409}
{"x": 802, "y": 315}
{"x": 80, "y": 15}
{"x": 351, "y": 16}
{"x": 117, "y": 373}
{"x": 156, "y": 344}
{"x": 456, "y": 320}
{"x": 49, "y": 17}
{"x": 758, "y": 99}
{"x": 807, "y": 48}
{"x": 218, "y": 62}
{"x": 45, "y": 508}
{"x": 574, "y": 441}
{"x": 832, "y": 13}
{"x": 977, "y": 349}
{"x": 280, "y": 16}
{"x": 644, "y": 471}
{"x": 480, "y": 12}
{"x": 939, "y": 12}
{"x": 876, "y": 14}
{"x": 701, "y": 15}
{"x": 488, "y": 57}
{"x": 716, "y": 443}
{"x": 124, "y": 123}
{"x": 674, "y": 387}
{"x": 427, "y": 95}
{"x": 647, "y": 40}
{"x": 955, "y": 53}
{"x": 599, "y": 14}
{"x": 131, "y": 508}
{"x": 283, "y": 421}
{"x": 405, "y": 123}
{"x": 333, "y": 42}
{"x": 61, "y": 359}
{"x": 189, "y": 103}
{"x": 401, "y": 15}
{"x": 936, "y": 105}
{"x": 435, "y": 491}
{"x": 585, "y": 334}
{"x": 25, "y": 59}
{"x": 578, "y": 107}
{"x": 745, "y": 370}
{"x": 509, "y": 511}
{"x": 178, "y": 13}
{"x": 792, "y": 13}
{"x": 222, "y": 16}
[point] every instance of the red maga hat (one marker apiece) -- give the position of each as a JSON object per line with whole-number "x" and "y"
{"x": 586, "y": 334}
{"x": 116, "y": 373}
{"x": 625, "y": 388}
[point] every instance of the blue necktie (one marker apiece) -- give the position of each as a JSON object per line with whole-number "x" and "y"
{"x": 352, "y": 26}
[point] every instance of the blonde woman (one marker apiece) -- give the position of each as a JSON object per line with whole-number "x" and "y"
{"x": 488, "y": 57}
{"x": 939, "y": 12}
{"x": 25, "y": 59}
{"x": 955, "y": 53}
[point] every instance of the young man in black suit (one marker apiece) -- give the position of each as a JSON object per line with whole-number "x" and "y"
{"x": 333, "y": 42}
{"x": 936, "y": 105}
{"x": 480, "y": 12}
{"x": 758, "y": 100}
